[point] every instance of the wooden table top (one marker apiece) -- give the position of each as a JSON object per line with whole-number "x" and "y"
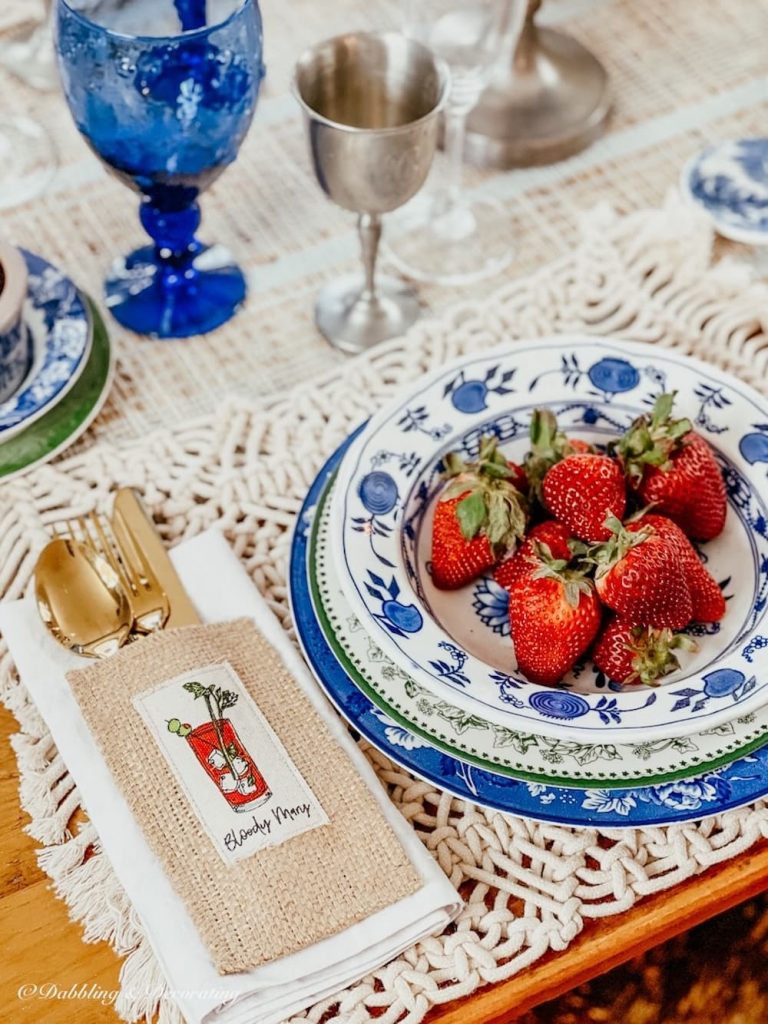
{"x": 41, "y": 946}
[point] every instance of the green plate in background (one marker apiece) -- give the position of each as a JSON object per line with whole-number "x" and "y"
{"x": 67, "y": 420}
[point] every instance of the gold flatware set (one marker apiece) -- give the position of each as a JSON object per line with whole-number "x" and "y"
{"x": 101, "y": 582}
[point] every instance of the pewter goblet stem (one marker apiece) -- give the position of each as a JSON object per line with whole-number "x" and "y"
{"x": 369, "y": 226}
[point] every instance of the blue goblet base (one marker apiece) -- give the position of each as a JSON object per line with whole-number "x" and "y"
{"x": 145, "y": 297}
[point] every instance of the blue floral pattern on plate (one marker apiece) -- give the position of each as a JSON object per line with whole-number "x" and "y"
{"x": 730, "y": 181}
{"x": 61, "y": 338}
{"x": 735, "y": 785}
{"x": 456, "y": 643}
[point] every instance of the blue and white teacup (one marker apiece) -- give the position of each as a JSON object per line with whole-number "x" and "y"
{"x": 14, "y": 335}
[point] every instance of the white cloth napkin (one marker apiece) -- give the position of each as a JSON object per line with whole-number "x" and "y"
{"x": 221, "y": 590}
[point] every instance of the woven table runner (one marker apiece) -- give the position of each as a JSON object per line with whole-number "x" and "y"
{"x": 528, "y": 887}
{"x": 683, "y": 74}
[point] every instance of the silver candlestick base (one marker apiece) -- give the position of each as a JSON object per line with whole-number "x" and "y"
{"x": 548, "y": 99}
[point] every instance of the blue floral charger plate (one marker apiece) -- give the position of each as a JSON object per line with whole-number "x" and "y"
{"x": 61, "y": 334}
{"x": 739, "y": 783}
{"x": 456, "y": 644}
{"x": 730, "y": 181}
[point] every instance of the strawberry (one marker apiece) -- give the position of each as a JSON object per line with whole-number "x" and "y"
{"x": 706, "y": 595}
{"x": 478, "y": 519}
{"x": 554, "y": 540}
{"x": 673, "y": 468}
{"x": 518, "y": 477}
{"x": 456, "y": 559}
{"x": 638, "y": 654}
{"x": 641, "y": 577}
{"x": 582, "y": 490}
{"x": 554, "y": 616}
{"x": 548, "y": 445}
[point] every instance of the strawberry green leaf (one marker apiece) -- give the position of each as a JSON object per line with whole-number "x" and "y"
{"x": 543, "y": 430}
{"x": 497, "y": 471}
{"x": 662, "y": 408}
{"x": 454, "y": 464}
{"x": 471, "y": 513}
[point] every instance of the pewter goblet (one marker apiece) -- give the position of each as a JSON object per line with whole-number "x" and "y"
{"x": 370, "y": 103}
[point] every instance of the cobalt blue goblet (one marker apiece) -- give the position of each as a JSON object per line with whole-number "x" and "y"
{"x": 164, "y": 92}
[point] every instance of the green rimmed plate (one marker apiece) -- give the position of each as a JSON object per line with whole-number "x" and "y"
{"x": 67, "y": 420}
{"x": 477, "y": 741}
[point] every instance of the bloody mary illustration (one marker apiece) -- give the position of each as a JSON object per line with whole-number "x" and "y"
{"x": 220, "y": 750}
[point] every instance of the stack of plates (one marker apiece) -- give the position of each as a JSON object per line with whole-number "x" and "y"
{"x": 70, "y": 371}
{"x": 429, "y": 677}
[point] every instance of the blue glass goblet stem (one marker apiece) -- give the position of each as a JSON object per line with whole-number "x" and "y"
{"x": 192, "y": 13}
{"x": 166, "y": 114}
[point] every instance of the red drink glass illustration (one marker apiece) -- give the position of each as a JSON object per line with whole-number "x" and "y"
{"x": 228, "y": 764}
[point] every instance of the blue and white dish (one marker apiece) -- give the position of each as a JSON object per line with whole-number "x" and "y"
{"x": 730, "y": 181}
{"x": 61, "y": 335}
{"x": 15, "y": 351}
{"x": 503, "y": 751}
{"x": 739, "y": 783}
{"x": 456, "y": 643}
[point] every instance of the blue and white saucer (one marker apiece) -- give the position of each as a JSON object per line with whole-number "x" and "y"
{"x": 734, "y": 785}
{"x": 61, "y": 334}
{"x": 730, "y": 181}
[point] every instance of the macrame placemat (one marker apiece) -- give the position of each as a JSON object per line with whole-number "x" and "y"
{"x": 280, "y": 899}
{"x": 683, "y": 74}
{"x": 528, "y": 887}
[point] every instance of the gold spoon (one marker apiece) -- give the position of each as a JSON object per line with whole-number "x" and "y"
{"x": 80, "y": 599}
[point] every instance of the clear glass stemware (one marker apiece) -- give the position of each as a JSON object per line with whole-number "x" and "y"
{"x": 164, "y": 92}
{"x": 443, "y": 235}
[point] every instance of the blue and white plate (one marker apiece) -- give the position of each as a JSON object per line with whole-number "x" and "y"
{"x": 730, "y": 181}
{"x": 61, "y": 334}
{"x": 713, "y": 792}
{"x": 457, "y": 643}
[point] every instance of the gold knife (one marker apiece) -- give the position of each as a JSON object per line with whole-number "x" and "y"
{"x": 130, "y": 517}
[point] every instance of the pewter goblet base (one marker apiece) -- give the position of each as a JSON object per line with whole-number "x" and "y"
{"x": 353, "y": 321}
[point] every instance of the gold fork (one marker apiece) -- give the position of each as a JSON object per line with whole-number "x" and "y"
{"x": 80, "y": 599}
{"x": 147, "y": 600}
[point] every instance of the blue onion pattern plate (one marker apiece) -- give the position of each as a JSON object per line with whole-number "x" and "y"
{"x": 502, "y": 751}
{"x": 713, "y": 792}
{"x": 730, "y": 181}
{"x": 61, "y": 331}
{"x": 456, "y": 644}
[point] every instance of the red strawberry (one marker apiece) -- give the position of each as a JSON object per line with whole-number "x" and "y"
{"x": 548, "y": 445}
{"x": 579, "y": 447}
{"x": 641, "y": 577}
{"x": 551, "y": 535}
{"x": 706, "y": 595}
{"x": 638, "y": 654}
{"x": 479, "y": 518}
{"x": 554, "y": 617}
{"x": 457, "y": 560}
{"x": 582, "y": 491}
{"x": 673, "y": 468}
{"x": 518, "y": 477}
